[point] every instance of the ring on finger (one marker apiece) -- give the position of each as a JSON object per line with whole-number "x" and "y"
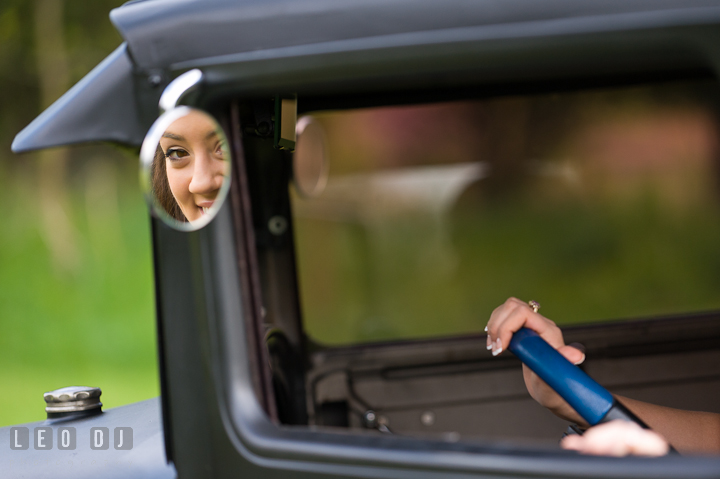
{"x": 534, "y": 305}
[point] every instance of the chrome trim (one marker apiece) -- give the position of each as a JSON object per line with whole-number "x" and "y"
{"x": 178, "y": 88}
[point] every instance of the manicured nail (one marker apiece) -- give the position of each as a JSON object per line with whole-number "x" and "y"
{"x": 497, "y": 348}
{"x": 582, "y": 360}
{"x": 486, "y": 329}
{"x": 489, "y": 343}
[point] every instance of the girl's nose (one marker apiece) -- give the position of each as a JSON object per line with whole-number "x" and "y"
{"x": 207, "y": 175}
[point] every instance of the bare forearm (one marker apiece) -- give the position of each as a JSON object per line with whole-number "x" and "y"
{"x": 688, "y": 431}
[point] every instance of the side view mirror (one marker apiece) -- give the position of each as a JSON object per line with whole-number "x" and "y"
{"x": 185, "y": 167}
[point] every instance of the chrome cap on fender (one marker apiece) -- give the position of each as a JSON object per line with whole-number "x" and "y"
{"x": 72, "y": 399}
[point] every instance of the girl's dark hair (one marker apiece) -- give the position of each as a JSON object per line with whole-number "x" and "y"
{"x": 161, "y": 187}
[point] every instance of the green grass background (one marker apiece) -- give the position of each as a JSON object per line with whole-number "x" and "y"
{"x": 90, "y": 321}
{"x": 93, "y": 324}
{"x": 583, "y": 263}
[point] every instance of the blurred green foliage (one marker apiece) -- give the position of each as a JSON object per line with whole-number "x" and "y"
{"x": 86, "y": 320}
{"x": 583, "y": 264}
{"x": 601, "y": 205}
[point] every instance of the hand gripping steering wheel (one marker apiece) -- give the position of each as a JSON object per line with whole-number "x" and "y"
{"x": 591, "y": 401}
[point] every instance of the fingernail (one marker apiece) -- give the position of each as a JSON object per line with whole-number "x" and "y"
{"x": 497, "y": 348}
{"x": 489, "y": 343}
{"x": 582, "y": 360}
{"x": 486, "y": 329}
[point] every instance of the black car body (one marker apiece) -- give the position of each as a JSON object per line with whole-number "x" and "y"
{"x": 246, "y": 391}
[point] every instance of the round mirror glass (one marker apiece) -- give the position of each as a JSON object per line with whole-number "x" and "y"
{"x": 310, "y": 162}
{"x": 185, "y": 167}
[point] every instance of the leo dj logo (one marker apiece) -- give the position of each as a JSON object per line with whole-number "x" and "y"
{"x": 66, "y": 438}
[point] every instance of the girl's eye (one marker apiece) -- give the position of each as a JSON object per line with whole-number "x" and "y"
{"x": 176, "y": 154}
{"x": 219, "y": 151}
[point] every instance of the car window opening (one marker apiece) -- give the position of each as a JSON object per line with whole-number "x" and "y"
{"x": 602, "y": 204}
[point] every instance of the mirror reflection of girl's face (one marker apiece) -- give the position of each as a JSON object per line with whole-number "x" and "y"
{"x": 195, "y": 163}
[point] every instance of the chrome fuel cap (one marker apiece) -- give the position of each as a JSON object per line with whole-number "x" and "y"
{"x": 73, "y": 399}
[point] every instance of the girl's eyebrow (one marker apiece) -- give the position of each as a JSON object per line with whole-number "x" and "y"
{"x": 173, "y": 136}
